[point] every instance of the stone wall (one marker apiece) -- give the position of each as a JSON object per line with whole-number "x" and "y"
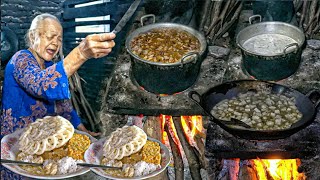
{"x": 18, "y": 14}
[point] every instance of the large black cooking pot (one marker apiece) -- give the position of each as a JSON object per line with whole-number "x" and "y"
{"x": 275, "y": 66}
{"x": 166, "y": 78}
{"x": 306, "y": 104}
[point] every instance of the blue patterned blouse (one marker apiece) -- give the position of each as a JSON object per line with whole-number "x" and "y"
{"x": 30, "y": 92}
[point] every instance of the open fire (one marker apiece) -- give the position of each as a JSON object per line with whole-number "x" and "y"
{"x": 194, "y": 134}
{"x": 192, "y": 126}
{"x": 278, "y": 169}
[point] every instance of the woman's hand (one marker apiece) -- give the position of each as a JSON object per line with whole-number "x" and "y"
{"x": 96, "y": 45}
{"x": 84, "y": 129}
{"x": 93, "y": 46}
{"x": 94, "y": 134}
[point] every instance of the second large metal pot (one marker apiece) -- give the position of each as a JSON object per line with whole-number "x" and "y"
{"x": 166, "y": 78}
{"x": 274, "y": 66}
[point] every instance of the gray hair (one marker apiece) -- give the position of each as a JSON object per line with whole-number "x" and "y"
{"x": 35, "y": 25}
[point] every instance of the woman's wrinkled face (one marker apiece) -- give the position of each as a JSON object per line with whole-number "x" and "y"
{"x": 49, "y": 39}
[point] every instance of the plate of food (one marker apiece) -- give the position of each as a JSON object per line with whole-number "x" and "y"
{"x": 139, "y": 156}
{"x": 51, "y": 141}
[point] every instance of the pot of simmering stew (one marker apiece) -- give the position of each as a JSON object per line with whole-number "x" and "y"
{"x": 270, "y": 50}
{"x": 258, "y": 110}
{"x": 165, "y": 57}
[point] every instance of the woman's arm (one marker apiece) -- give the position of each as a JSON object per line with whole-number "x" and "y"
{"x": 93, "y": 46}
{"x": 50, "y": 83}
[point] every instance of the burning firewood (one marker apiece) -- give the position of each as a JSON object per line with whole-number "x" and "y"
{"x": 177, "y": 158}
{"x": 188, "y": 150}
{"x": 247, "y": 171}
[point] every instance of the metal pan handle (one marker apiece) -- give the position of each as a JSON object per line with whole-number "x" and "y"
{"x": 183, "y": 59}
{"x": 147, "y": 16}
{"x": 253, "y": 17}
{"x": 314, "y": 96}
{"x": 290, "y": 45}
{"x": 196, "y": 97}
{"x": 195, "y": 93}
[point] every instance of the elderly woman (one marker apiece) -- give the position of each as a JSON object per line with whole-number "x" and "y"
{"x": 34, "y": 86}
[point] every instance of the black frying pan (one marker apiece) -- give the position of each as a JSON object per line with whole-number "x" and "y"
{"x": 307, "y": 105}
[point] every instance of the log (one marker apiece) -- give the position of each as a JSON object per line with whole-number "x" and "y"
{"x": 224, "y": 11}
{"x": 152, "y": 128}
{"x": 227, "y": 25}
{"x": 303, "y": 13}
{"x": 247, "y": 172}
{"x": 177, "y": 158}
{"x": 209, "y": 17}
{"x": 206, "y": 8}
{"x": 215, "y": 15}
{"x": 202, "y": 159}
{"x": 188, "y": 150}
{"x": 233, "y": 168}
{"x": 297, "y": 5}
{"x": 312, "y": 16}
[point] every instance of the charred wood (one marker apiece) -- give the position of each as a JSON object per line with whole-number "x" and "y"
{"x": 222, "y": 16}
{"x": 202, "y": 159}
{"x": 188, "y": 150}
{"x": 206, "y": 8}
{"x": 226, "y": 26}
{"x": 177, "y": 158}
{"x": 247, "y": 171}
{"x": 309, "y": 17}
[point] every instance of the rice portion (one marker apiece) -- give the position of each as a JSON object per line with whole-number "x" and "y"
{"x": 67, "y": 165}
{"x": 143, "y": 168}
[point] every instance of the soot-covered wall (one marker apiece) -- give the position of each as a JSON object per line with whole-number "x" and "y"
{"x": 18, "y": 14}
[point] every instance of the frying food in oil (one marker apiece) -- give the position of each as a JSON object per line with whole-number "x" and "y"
{"x": 262, "y": 111}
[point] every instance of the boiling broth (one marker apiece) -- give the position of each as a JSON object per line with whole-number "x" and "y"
{"x": 268, "y": 44}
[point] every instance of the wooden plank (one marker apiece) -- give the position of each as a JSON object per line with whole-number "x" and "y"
{"x": 115, "y": 10}
{"x": 70, "y": 3}
{"x": 87, "y": 23}
{"x": 89, "y": 11}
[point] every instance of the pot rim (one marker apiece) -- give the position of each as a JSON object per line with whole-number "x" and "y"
{"x": 149, "y": 27}
{"x": 270, "y": 23}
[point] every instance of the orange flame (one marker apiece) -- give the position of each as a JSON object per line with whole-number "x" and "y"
{"x": 191, "y": 125}
{"x": 187, "y": 131}
{"x": 166, "y": 119}
{"x": 278, "y": 169}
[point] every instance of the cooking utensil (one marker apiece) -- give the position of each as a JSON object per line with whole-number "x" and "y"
{"x": 40, "y": 164}
{"x": 166, "y": 78}
{"x": 20, "y": 162}
{"x": 125, "y": 18}
{"x": 306, "y": 104}
{"x": 274, "y": 66}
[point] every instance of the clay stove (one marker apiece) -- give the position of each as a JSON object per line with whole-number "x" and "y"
{"x": 228, "y": 157}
